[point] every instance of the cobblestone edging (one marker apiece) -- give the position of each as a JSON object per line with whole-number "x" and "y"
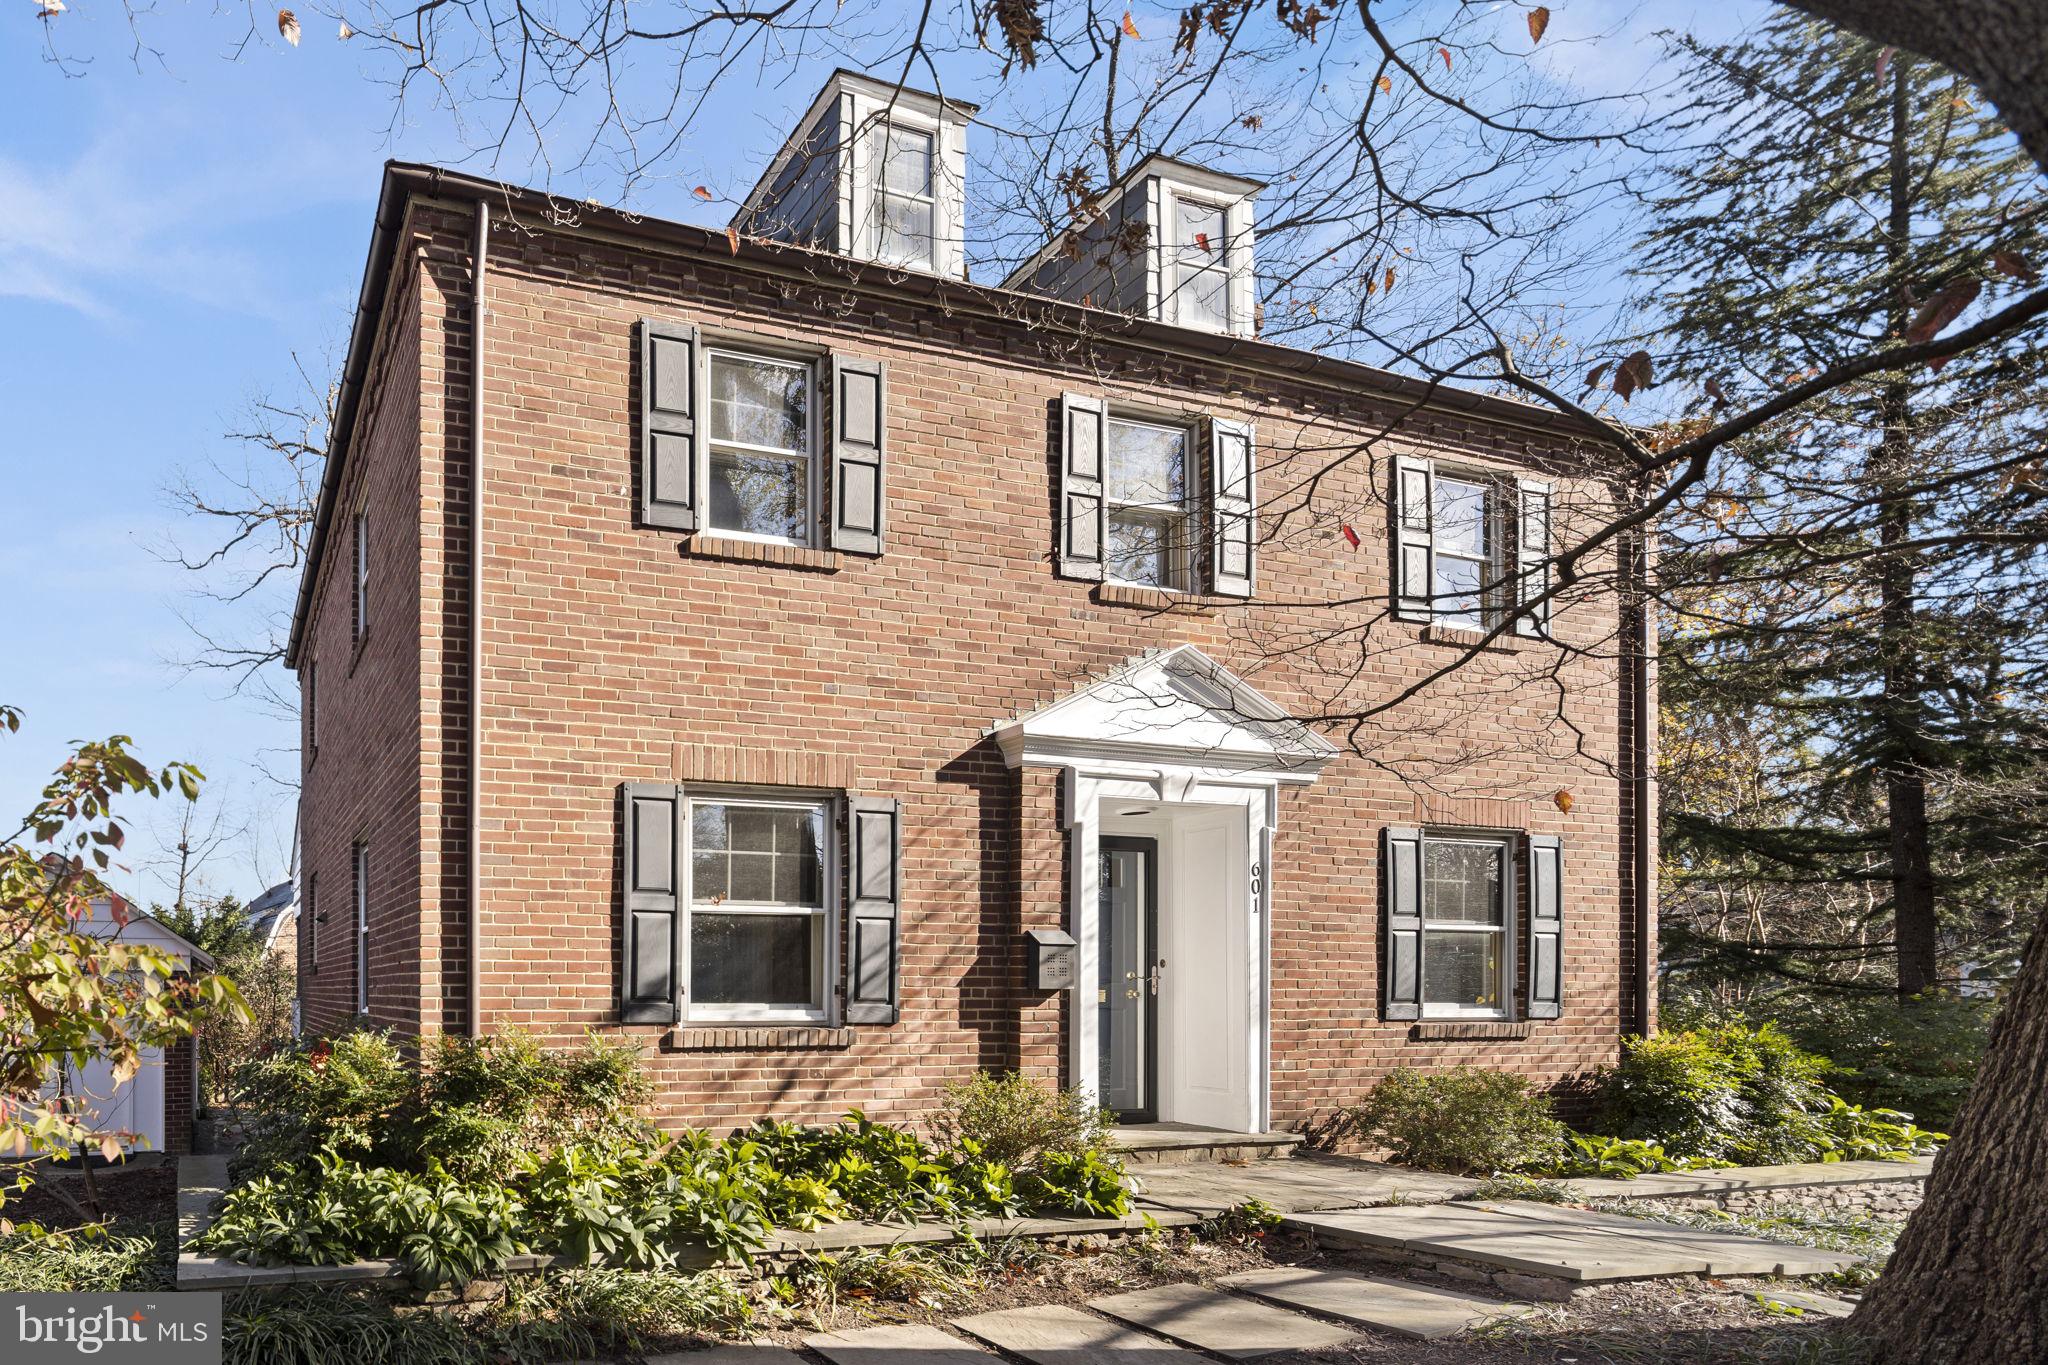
{"x": 1883, "y": 1189}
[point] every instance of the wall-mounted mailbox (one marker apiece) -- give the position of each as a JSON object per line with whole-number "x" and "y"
{"x": 1054, "y": 958}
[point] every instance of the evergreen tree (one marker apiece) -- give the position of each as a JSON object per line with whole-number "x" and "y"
{"x": 1864, "y": 589}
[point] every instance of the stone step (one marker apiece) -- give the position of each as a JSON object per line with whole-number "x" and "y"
{"x": 1409, "y": 1310}
{"x": 1221, "y": 1324}
{"x": 898, "y": 1344}
{"x": 1180, "y": 1144}
{"x": 732, "y": 1353}
{"x": 1053, "y": 1335}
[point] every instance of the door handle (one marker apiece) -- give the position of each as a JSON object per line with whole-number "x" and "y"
{"x": 1155, "y": 974}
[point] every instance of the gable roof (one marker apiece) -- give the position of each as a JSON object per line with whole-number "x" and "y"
{"x": 1174, "y": 704}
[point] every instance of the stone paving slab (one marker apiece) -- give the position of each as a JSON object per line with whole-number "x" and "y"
{"x": 735, "y": 1353}
{"x": 1726, "y": 1252}
{"x": 1827, "y": 1305}
{"x": 1054, "y": 1335}
{"x": 1295, "y": 1185}
{"x": 914, "y": 1343}
{"x": 1409, "y": 1310}
{"x": 1222, "y": 1324}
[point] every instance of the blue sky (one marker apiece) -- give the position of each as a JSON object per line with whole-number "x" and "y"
{"x": 174, "y": 233}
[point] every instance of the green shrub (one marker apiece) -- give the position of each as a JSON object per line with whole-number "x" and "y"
{"x": 1853, "y": 1133}
{"x": 1014, "y": 1120}
{"x": 1613, "y": 1158}
{"x": 1729, "y": 1094}
{"x": 1916, "y": 1056}
{"x": 1078, "y": 1184}
{"x": 1465, "y": 1121}
{"x": 342, "y": 1094}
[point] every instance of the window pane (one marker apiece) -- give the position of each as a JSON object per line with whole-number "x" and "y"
{"x": 1146, "y": 548}
{"x": 1146, "y": 463}
{"x": 1201, "y": 231}
{"x": 758, "y": 855}
{"x": 753, "y": 878}
{"x": 907, "y": 162}
{"x": 1461, "y": 882}
{"x": 710, "y": 877}
{"x": 767, "y": 960}
{"x": 906, "y": 230}
{"x": 1461, "y": 517}
{"x": 760, "y": 402}
{"x": 1456, "y": 591}
{"x": 1461, "y": 969}
{"x": 1204, "y": 299}
{"x": 762, "y": 495}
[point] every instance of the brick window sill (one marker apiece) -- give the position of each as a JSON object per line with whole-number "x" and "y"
{"x": 1158, "y": 599}
{"x": 756, "y": 1037}
{"x": 702, "y": 546}
{"x": 1445, "y": 1030}
{"x": 1505, "y": 643}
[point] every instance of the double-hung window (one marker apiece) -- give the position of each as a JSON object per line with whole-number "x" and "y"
{"x": 1462, "y": 556}
{"x": 1150, "y": 523}
{"x": 1201, "y": 285}
{"x": 359, "y": 600}
{"x": 1466, "y": 883}
{"x": 763, "y": 465}
{"x": 905, "y": 206}
{"x": 759, "y": 908}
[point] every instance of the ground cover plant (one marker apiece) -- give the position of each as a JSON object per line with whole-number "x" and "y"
{"x": 495, "y": 1147}
{"x": 1725, "y": 1095}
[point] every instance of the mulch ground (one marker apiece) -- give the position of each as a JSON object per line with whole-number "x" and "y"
{"x": 144, "y": 1191}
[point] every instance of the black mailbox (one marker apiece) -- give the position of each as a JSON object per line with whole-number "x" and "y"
{"x": 1053, "y": 959}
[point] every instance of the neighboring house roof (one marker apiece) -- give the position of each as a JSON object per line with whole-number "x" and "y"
{"x": 141, "y": 928}
{"x": 403, "y": 179}
{"x": 272, "y": 910}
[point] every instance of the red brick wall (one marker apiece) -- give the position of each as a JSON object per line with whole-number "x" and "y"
{"x": 181, "y": 1081}
{"x": 607, "y": 646}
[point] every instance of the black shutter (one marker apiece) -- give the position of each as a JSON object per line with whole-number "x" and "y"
{"x": 1546, "y": 926}
{"x": 1230, "y": 504}
{"x": 1401, "y": 898}
{"x": 1083, "y": 435}
{"x": 874, "y": 847}
{"x": 668, "y": 425}
{"x": 1414, "y": 572}
{"x": 859, "y": 393}
{"x": 1532, "y": 558}
{"x": 651, "y": 819}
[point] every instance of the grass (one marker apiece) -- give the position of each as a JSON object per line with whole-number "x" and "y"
{"x": 1856, "y": 1235}
{"x": 95, "y": 1258}
{"x": 1512, "y": 1186}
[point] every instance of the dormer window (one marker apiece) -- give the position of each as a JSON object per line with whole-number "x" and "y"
{"x": 905, "y": 208}
{"x": 1201, "y": 292}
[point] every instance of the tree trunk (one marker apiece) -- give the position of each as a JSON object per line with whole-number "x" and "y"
{"x": 2000, "y": 45}
{"x": 1900, "y": 708}
{"x": 1969, "y": 1282}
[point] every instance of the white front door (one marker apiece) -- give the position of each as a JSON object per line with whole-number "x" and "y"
{"x": 1208, "y": 988}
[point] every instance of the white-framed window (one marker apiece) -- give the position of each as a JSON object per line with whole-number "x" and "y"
{"x": 359, "y": 599}
{"x": 906, "y": 205}
{"x": 763, "y": 446}
{"x": 1467, "y": 884}
{"x": 1201, "y": 265}
{"x": 760, "y": 903}
{"x": 1150, "y": 504}
{"x": 1452, "y": 536}
{"x": 359, "y": 858}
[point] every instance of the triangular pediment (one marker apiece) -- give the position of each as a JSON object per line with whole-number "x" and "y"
{"x": 1176, "y": 704}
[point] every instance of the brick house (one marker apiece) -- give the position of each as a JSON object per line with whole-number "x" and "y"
{"x": 807, "y": 645}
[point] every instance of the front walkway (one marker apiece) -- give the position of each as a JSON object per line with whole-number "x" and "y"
{"x": 1299, "y": 1184}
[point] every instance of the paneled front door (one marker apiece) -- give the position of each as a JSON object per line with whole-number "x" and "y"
{"x": 1127, "y": 985}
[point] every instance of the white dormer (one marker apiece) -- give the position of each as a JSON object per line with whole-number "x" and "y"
{"x": 873, "y": 172}
{"x": 1170, "y": 241}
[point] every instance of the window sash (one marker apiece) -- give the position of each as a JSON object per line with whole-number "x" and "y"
{"x": 1177, "y": 516}
{"x": 805, "y": 455}
{"x": 360, "y": 624}
{"x": 886, "y": 194}
{"x": 362, "y": 934}
{"x": 824, "y": 968}
{"x": 1499, "y": 931}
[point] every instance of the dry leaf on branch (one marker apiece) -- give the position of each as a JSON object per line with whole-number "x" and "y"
{"x": 701, "y": 192}
{"x": 288, "y": 26}
{"x": 1946, "y": 305}
{"x": 1445, "y": 53}
{"x": 1130, "y": 26}
{"x": 47, "y": 8}
{"x": 1387, "y": 286}
{"x": 2013, "y": 264}
{"x": 1714, "y": 392}
{"x": 1884, "y": 61}
{"x": 1634, "y": 375}
{"x": 346, "y": 32}
{"x": 1594, "y": 376}
{"x": 1350, "y": 534}
{"x": 1539, "y": 20}
{"x": 732, "y": 239}
{"x": 1386, "y": 85}
{"x": 1563, "y": 797}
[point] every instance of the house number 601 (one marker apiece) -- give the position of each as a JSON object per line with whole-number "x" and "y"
{"x": 1258, "y": 883}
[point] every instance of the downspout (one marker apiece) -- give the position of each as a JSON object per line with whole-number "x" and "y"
{"x": 1642, "y": 626}
{"x": 475, "y": 875}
